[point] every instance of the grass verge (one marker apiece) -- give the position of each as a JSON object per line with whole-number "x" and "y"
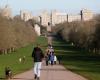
{"x": 77, "y": 60}
{"x": 12, "y": 59}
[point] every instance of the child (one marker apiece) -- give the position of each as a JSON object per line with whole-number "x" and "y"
{"x": 55, "y": 59}
{"x": 52, "y": 58}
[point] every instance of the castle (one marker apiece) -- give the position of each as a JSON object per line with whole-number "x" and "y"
{"x": 49, "y": 18}
{"x": 56, "y": 17}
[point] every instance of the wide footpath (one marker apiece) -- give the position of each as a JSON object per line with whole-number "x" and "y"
{"x": 55, "y": 72}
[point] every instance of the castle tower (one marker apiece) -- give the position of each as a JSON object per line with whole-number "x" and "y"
{"x": 45, "y": 18}
{"x": 86, "y": 15}
{"x": 6, "y": 11}
{"x": 26, "y": 15}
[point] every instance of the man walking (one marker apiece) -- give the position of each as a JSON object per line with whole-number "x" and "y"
{"x": 37, "y": 55}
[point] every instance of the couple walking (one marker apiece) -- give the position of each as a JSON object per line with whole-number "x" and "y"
{"x": 50, "y": 56}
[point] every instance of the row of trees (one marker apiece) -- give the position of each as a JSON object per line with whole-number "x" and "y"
{"x": 83, "y": 34}
{"x": 15, "y": 33}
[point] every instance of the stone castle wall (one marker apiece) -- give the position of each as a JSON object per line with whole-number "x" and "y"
{"x": 56, "y": 17}
{"x": 25, "y": 15}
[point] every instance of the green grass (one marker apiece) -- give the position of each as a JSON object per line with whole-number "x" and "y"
{"x": 77, "y": 60}
{"x": 12, "y": 59}
{"x": 73, "y": 59}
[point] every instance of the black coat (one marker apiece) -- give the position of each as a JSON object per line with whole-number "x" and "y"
{"x": 37, "y": 54}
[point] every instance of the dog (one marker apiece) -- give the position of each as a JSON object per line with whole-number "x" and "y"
{"x": 8, "y": 73}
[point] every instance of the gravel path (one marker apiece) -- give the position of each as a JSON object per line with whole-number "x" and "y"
{"x": 55, "y": 72}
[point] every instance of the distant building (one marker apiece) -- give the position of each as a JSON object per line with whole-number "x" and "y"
{"x": 56, "y": 17}
{"x": 37, "y": 29}
{"x": 86, "y": 14}
{"x": 44, "y": 18}
{"x": 26, "y": 15}
{"x": 74, "y": 18}
{"x": 36, "y": 18}
{"x": 6, "y": 11}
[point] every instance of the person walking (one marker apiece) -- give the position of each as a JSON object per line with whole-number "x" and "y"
{"x": 38, "y": 56}
{"x": 47, "y": 59}
{"x": 59, "y": 59}
{"x": 51, "y": 58}
{"x": 55, "y": 59}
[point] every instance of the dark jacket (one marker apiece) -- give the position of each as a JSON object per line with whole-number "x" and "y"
{"x": 37, "y": 54}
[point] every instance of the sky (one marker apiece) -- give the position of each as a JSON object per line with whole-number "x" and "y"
{"x": 69, "y": 6}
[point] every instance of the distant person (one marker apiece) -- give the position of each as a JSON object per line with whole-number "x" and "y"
{"x": 47, "y": 58}
{"x": 49, "y": 45}
{"x": 55, "y": 59}
{"x": 51, "y": 49}
{"x": 20, "y": 59}
{"x": 23, "y": 59}
{"x": 51, "y": 55}
{"x": 37, "y": 55}
{"x": 59, "y": 59}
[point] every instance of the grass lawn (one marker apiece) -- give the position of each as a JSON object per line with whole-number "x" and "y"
{"x": 77, "y": 60}
{"x": 12, "y": 59}
{"x": 74, "y": 59}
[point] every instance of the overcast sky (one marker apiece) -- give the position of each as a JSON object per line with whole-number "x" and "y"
{"x": 70, "y": 6}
